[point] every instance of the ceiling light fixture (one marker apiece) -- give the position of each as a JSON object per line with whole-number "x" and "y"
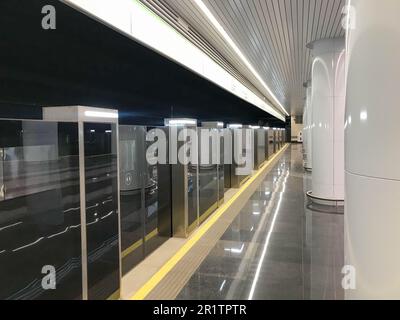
{"x": 101, "y": 114}
{"x": 181, "y": 122}
{"x": 235, "y": 126}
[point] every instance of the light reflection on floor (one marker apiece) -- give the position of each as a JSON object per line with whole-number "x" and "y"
{"x": 276, "y": 248}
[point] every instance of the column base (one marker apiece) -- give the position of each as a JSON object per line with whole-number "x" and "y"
{"x": 325, "y": 201}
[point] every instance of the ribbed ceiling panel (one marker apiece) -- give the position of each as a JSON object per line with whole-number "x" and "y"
{"x": 272, "y": 34}
{"x": 228, "y": 60}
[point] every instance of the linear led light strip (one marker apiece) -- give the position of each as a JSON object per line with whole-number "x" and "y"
{"x": 100, "y": 114}
{"x": 228, "y": 39}
{"x": 181, "y": 122}
{"x": 235, "y": 126}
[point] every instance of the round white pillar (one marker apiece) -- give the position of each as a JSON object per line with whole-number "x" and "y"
{"x": 305, "y": 134}
{"x": 372, "y": 155}
{"x": 307, "y": 138}
{"x": 327, "y": 104}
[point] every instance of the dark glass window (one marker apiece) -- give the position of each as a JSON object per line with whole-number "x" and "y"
{"x": 102, "y": 230}
{"x": 145, "y": 198}
{"x": 39, "y": 210}
{"x": 208, "y": 181}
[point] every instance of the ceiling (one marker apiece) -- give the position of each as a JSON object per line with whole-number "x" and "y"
{"x": 272, "y": 35}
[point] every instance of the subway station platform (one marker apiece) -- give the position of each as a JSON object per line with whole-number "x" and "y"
{"x": 273, "y": 245}
{"x": 199, "y": 150}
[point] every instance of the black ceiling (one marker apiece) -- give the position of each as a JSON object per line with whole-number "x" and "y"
{"x": 84, "y": 62}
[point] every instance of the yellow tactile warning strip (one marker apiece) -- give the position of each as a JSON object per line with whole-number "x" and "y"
{"x": 171, "y": 285}
{"x": 189, "y": 264}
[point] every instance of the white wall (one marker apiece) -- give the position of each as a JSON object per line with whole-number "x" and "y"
{"x": 296, "y": 129}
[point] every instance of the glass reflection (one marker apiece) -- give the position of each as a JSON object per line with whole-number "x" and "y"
{"x": 157, "y": 205}
{"x": 259, "y": 148}
{"x": 39, "y": 209}
{"x": 145, "y": 198}
{"x": 271, "y": 144}
{"x": 132, "y": 216}
{"x": 192, "y": 194}
{"x": 208, "y": 179}
{"x": 221, "y": 168}
{"x": 102, "y": 225}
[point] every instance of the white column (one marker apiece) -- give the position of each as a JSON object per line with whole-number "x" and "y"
{"x": 307, "y": 138}
{"x": 327, "y": 103}
{"x": 372, "y": 208}
{"x": 305, "y": 134}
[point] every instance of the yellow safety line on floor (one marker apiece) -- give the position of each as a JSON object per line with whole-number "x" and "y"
{"x": 171, "y": 263}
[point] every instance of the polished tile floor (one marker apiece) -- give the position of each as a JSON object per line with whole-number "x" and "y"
{"x": 277, "y": 247}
